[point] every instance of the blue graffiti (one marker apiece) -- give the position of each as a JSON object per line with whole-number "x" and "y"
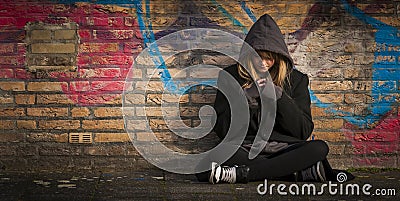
{"x": 149, "y": 43}
{"x": 384, "y": 91}
{"x": 125, "y": 3}
{"x": 385, "y": 77}
{"x": 385, "y": 73}
{"x": 248, "y": 11}
{"x": 230, "y": 16}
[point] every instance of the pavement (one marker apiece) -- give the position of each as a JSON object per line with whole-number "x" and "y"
{"x": 160, "y": 185}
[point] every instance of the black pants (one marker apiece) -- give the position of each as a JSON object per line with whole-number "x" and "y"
{"x": 296, "y": 157}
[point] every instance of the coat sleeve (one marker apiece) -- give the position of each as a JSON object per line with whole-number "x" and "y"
{"x": 222, "y": 109}
{"x": 293, "y": 117}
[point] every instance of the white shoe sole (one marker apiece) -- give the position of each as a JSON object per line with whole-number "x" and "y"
{"x": 213, "y": 167}
{"x": 322, "y": 178}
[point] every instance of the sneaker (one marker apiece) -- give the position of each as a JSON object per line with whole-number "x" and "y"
{"x": 313, "y": 173}
{"x": 235, "y": 174}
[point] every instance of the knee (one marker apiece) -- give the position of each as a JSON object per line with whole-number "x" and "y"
{"x": 321, "y": 147}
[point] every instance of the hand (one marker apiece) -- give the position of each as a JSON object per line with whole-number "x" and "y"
{"x": 252, "y": 90}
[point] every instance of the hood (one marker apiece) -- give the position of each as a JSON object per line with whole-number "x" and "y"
{"x": 266, "y": 35}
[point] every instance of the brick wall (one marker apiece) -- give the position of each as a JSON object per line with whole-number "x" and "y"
{"x": 63, "y": 66}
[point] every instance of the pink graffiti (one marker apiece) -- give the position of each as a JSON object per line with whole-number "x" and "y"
{"x": 109, "y": 43}
{"x": 382, "y": 139}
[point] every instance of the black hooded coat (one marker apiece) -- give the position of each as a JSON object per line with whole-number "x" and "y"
{"x": 293, "y": 120}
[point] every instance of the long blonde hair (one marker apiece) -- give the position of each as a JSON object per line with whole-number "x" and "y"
{"x": 278, "y": 71}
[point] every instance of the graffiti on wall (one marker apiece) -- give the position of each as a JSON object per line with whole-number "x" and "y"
{"x": 94, "y": 85}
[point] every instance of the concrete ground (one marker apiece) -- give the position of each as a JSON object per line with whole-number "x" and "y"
{"x": 158, "y": 185}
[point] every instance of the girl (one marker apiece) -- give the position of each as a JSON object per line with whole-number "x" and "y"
{"x": 287, "y": 155}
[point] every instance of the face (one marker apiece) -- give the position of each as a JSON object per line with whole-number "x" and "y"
{"x": 264, "y": 65}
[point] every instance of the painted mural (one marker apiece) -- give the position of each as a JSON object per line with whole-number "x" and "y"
{"x": 130, "y": 21}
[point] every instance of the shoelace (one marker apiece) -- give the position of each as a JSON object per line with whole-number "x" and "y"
{"x": 228, "y": 174}
{"x": 308, "y": 174}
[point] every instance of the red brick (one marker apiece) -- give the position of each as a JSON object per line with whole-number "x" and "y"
{"x": 6, "y": 73}
{"x": 333, "y": 136}
{"x": 100, "y": 73}
{"x": 336, "y": 149}
{"x": 7, "y": 151}
{"x": 111, "y": 137}
{"x": 101, "y": 99}
{"x": 59, "y": 124}
{"x": 115, "y": 34}
{"x": 24, "y": 99}
{"x": 12, "y": 86}
{"x": 115, "y": 86}
{"x": 80, "y": 112}
{"x": 108, "y": 112}
{"x": 7, "y": 21}
{"x": 11, "y": 60}
{"x": 106, "y": 150}
{"x": 84, "y": 60}
{"x": 7, "y": 124}
{"x": 47, "y": 112}
{"x": 40, "y": 35}
{"x": 7, "y": 9}
{"x": 6, "y": 99}
{"x": 330, "y": 98}
{"x": 21, "y": 49}
{"x": 53, "y": 48}
{"x": 22, "y": 21}
{"x": 331, "y": 85}
{"x": 14, "y": 36}
{"x": 157, "y": 111}
{"x": 26, "y": 124}
{"x": 35, "y": 9}
{"x": 59, "y": 8}
{"x": 355, "y": 98}
{"x": 23, "y": 74}
{"x": 12, "y": 112}
{"x": 69, "y": 34}
{"x": 165, "y": 98}
{"x": 136, "y": 125}
{"x": 53, "y": 99}
{"x": 98, "y": 47}
{"x": 12, "y": 137}
{"x": 59, "y": 150}
{"x": 135, "y": 99}
{"x": 319, "y": 112}
{"x": 85, "y": 34}
{"x": 202, "y": 98}
{"x": 189, "y": 111}
{"x": 133, "y": 47}
{"x": 114, "y": 22}
{"x": 6, "y": 48}
{"x": 328, "y": 123}
{"x": 112, "y": 60}
{"x": 46, "y": 86}
{"x": 27, "y": 150}
{"x": 130, "y": 21}
{"x": 294, "y": 9}
{"x": 80, "y": 86}
{"x": 47, "y": 137}
{"x": 117, "y": 124}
